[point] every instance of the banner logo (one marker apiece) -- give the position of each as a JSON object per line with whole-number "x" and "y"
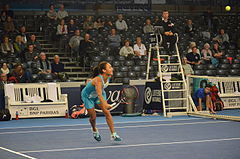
{"x": 148, "y": 95}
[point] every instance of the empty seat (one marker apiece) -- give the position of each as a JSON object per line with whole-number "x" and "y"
{"x": 129, "y": 63}
{"x": 235, "y": 66}
{"x": 124, "y": 69}
{"x": 224, "y": 66}
{"x": 96, "y": 58}
{"x": 222, "y": 72}
{"x": 199, "y": 72}
{"x": 234, "y": 72}
{"x": 211, "y": 72}
{"x": 118, "y": 74}
{"x": 141, "y": 63}
{"x": 116, "y": 63}
{"x": 224, "y": 61}
{"x": 136, "y": 68}
{"x": 120, "y": 58}
{"x": 109, "y": 58}
{"x": 132, "y": 74}
{"x": 200, "y": 67}
{"x": 211, "y": 67}
{"x": 236, "y": 61}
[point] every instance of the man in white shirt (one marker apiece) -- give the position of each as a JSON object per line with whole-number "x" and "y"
{"x": 61, "y": 12}
{"x": 121, "y": 24}
{"x": 74, "y": 44}
{"x": 139, "y": 48}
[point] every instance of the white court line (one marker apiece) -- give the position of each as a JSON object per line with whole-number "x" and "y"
{"x": 128, "y": 122}
{"x": 131, "y": 126}
{"x": 18, "y": 153}
{"x": 134, "y": 145}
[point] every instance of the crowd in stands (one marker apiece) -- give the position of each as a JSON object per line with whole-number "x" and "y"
{"x": 114, "y": 35}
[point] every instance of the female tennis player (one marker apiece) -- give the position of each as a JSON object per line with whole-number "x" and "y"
{"x": 94, "y": 93}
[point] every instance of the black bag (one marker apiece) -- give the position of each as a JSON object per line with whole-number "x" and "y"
{"x": 5, "y": 115}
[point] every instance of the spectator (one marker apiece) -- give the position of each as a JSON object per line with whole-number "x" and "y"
{"x": 193, "y": 58}
{"x": 88, "y": 23}
{"x": 206, "y": 53}
{"x": 9, "y": 26}
{"x": 71, "y": 27}
{"x": 30, "y": 55}
{"x": 7, "y": 11}
{"x": 52, "y": 14}
{"x": 126, "y": 50}
{"x": 6, "y": 47}
{"x": 5, "y": 69}
{"x": 3, "y": 17}
{"x": 121, "y": 24}
{"x": 222, "y": 38}
{"x": 24, "y": 34}
{"x": 187, "y": 68}
{"x": 19, "y": 75}
{"x": 74, "y": 44}
{"x": 35, "y": 43}
{"x": 217, "y": 54}
{"x": 156, "y": 20}
{"x": 62, "y": 32}
{"x": 191, "y": 45}
{"x": 86, "y": 48}
{"x": 215, "y": 24}
{"x": 203, "y": 95}
{"x": 114, "y": 39}
{"x": 139, "y": 48}
{"x": 43, "y": 65}
{"x": 19, "y": 46}
{"x": 98, "y": 24}
{"x": 168, "y": 36}
{"x": 58, "y": 68}
{"x": 208, "y": 16}
{"x": 3, "y": 80}
{"x": 108, "y": 25}
{"x": 61, "y": 14}
{"x": 189, "y": 28}
{"x": 148, "y": 28}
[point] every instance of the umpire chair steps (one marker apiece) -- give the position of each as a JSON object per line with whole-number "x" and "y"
{"x": 174, "y": 92}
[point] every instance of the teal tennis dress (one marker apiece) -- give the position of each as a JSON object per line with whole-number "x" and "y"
{"x": 89, "y": 94}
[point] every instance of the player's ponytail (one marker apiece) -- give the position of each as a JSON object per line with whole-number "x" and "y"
{"x": 99, "y": 69}
{"x": 95, "y": 71}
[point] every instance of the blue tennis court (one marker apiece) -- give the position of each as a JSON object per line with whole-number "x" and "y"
{"x": 143, "y": 137}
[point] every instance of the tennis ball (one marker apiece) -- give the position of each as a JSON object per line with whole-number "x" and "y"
{"x": 227, "y": 8}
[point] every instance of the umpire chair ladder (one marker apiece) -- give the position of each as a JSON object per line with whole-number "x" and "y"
{"x": 174, "y": 92}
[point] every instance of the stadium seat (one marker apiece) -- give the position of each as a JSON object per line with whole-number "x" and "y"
{"x": 235, "y": 66}
{"x": 116, "y": 63}
{"x": 200, "y": 67}
{"x": 224, "y": 61}
{"x": 224, "y": 66}
{"x": 136, "y": 68}
{"x": 129, "y": 63}
{"x": 211, "y": 67}
{"x": 97, "y": 58}
{"x": 118, "y": 74}
{"x": 234, "y": 72}
{"x": 125, "y": 80}
{"x": 199, "y": 72}
{"x": 124, "y": 69}
{"x": 222, "y": 72}
{"x": 109, "y": 58}
{"x": 132, "y": 75}
{"x": 211, "y": 72}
